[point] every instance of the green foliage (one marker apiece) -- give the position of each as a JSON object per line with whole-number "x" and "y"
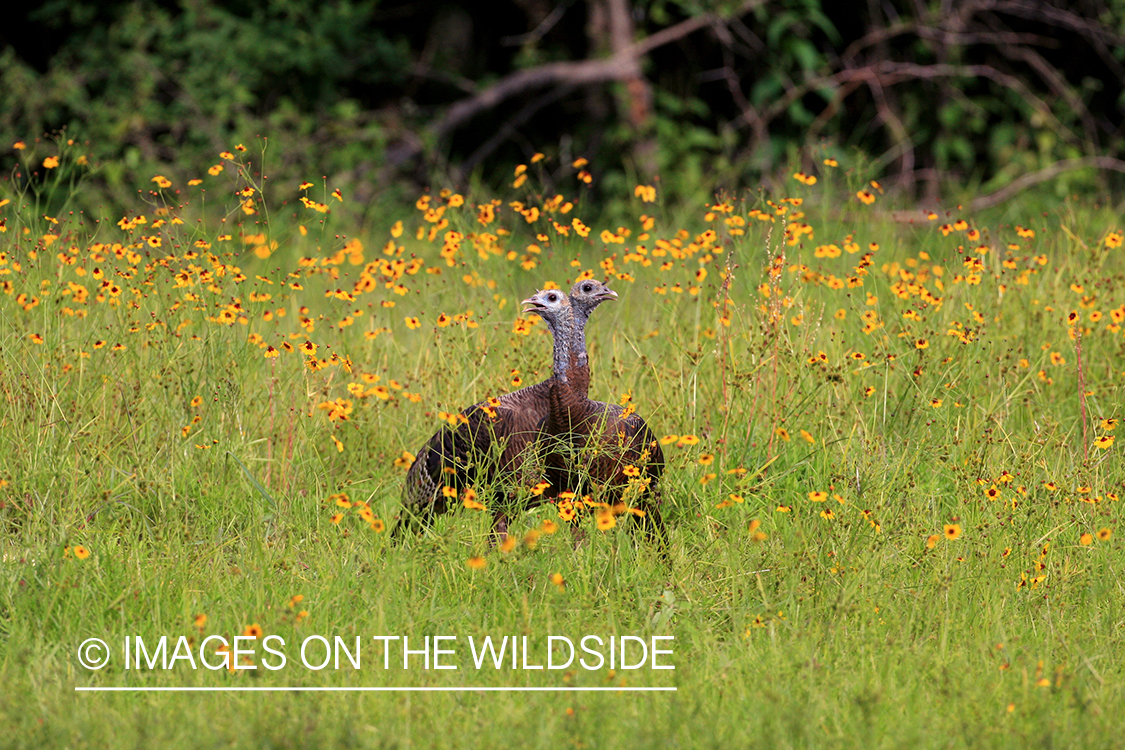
{"x": 195, "y": 79}
{"x": 837, "y": 573}
{"x": 936, "y": 99}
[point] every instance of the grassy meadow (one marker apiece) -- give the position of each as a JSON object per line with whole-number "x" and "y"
{"x": 892, "y": 483}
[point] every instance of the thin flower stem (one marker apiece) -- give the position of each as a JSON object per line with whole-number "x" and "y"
{"x": 1081, "y": 392}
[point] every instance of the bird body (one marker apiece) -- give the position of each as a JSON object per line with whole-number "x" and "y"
{"x": 490, "y": 441}
{"x": 597, "y": 449}
{"x": 493, "y": 439}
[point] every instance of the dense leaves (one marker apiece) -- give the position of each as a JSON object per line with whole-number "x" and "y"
{"x": 941, "y": 98}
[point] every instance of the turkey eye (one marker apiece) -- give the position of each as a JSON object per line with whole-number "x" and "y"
{"x": 588, "y": 288}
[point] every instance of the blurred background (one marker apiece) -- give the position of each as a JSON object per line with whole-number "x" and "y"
{"x": 941, "y": 101}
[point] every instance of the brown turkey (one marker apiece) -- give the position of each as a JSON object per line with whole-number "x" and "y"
{"x": 593, "y": 448}
{"x": 492, "y": 443}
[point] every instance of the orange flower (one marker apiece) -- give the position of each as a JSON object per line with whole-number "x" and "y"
{"x": 606, "y": 521}
{"x": 469, "y": 500}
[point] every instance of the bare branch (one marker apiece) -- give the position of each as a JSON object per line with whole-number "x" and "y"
{"x": 1101, "y": 36}
{"x": 683, "y": 28}
{"x": 620, "y": 66}
{"x": 510, "y": 128}
{"x": 904, "y": 145}
{"x": 569, "y": 73}
{"x": 539, "y": 31}
{"x": 889, "y": 73}
{"x": 1045, "y": 174}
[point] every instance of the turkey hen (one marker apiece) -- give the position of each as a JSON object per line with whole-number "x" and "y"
{"x": 494, "y": 437}
{"x": 593, "y": 448}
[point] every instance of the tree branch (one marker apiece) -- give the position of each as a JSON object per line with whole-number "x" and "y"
{"x": 619, "y": 66}
{"x": 1042, "y": 175}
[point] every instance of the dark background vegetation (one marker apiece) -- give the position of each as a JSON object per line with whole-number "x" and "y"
{"x": 940, "y": 100}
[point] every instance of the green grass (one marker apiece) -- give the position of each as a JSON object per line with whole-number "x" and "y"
{"x": 793, "y": 626}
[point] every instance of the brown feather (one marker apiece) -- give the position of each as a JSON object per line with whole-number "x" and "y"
{"x": 591, "y": 444}
{"x": 484, "y": 450}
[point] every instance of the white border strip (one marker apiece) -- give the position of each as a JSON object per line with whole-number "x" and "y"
{"x": 372, "y": 689}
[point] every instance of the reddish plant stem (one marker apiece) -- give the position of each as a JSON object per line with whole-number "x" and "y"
{"x": 1081, "y": 392}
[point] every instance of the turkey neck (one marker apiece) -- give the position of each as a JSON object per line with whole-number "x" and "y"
{"x": 577, "y": 359}
{"x": 571, "y": 376}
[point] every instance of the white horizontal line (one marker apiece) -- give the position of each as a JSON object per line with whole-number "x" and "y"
{"x": 371, "y": 689}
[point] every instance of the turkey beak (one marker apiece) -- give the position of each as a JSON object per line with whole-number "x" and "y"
{"x": 530, "y": 305}
{"x": 608, "y": 294}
